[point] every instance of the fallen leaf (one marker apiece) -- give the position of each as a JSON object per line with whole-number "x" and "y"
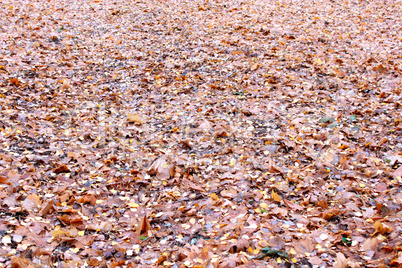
{"x": 134, "y": 118}
{"x": 61, "y": 169}
{"x": 292, "y": 205}
{"x": 143, "y": 227}
{"x": 4, "y": 180}
{"x": 381, "y": 228}
{"x": 20, "y": 262}
{"x": 303, "y": 246}
{"x": 275, "y": 196}
{"x": 46, "y": 208}
{"x": 341, "y": 261}
{"x": 160, "y": 168}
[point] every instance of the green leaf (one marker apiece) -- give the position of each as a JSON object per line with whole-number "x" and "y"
{"x": 143, "y": 237}
{"x": 355, "y": 128}
{"x": 267, "y": 251}
{"x": 332, "y": 125}
{"x": 326, "y": 119}
{"x": 238, "y": 93}
{"x": 346, "y": 240}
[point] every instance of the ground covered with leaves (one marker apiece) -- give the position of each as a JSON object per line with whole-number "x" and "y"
{"x": 200, "y": 133}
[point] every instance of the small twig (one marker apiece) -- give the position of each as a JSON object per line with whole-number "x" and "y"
{"x": 149, "y": 237}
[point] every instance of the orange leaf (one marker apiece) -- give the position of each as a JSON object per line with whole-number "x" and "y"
{"x": 4, "y": 180}
{"x": 381, "y": 228}
{"x": 61, "y": 168}
{"x": 88, "y": 198}
{"x": 14, "y": 81}
{"x": 70, "y": 219}
{"x": 17, "y": 262}
{"x": 275, "y": 196}
{"x": 57, "y": 233}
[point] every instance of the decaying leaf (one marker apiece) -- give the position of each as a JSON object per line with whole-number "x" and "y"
{"x": 252, "y": 133}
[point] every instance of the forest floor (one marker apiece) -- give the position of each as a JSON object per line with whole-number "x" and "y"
{"x": 200, "y": 133}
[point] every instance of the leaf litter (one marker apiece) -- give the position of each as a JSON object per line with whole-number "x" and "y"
{"x": 200, "y": 133}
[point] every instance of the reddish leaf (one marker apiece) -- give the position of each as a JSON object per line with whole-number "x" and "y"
{"x": 61, "y": 168}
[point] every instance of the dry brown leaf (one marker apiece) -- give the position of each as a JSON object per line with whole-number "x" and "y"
{"x": 303, "y": 246}
{"x": 88, "y": 198}
{"x": 292, "y": 205}
{"x": 61, "y": 168}
{"x": 398, "y": 172}
{"x": 19, "y": 262}
{"x": 341, "y": 261}
{"x": 143, "y": 227}
{"x": 397, "y": 262}
{"x": 240, "y": 245}
{"x": 32, "y": 202}
{"x": 46, "y": 208}
{"x": 371, "y": 244}
{"x": 134, "y": 118}
{"x": 228, "y": 193}
{"x": 71, "y": 219}
{"x": 160, "y": 168}
{"x": 315, "y": 260}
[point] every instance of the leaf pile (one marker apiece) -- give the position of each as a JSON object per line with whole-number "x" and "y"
{"x": 200, "y": 133}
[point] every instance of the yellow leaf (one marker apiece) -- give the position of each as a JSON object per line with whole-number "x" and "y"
{"x": 381, "y": 228}
{"x": 133, "y": 205}
{"x": 263, "y": 206}
{"x": 232, "y": 162}
{"x": 58, "y": 233}
{"x": 275, "y": 196}
{"x": 214, "y": 197}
